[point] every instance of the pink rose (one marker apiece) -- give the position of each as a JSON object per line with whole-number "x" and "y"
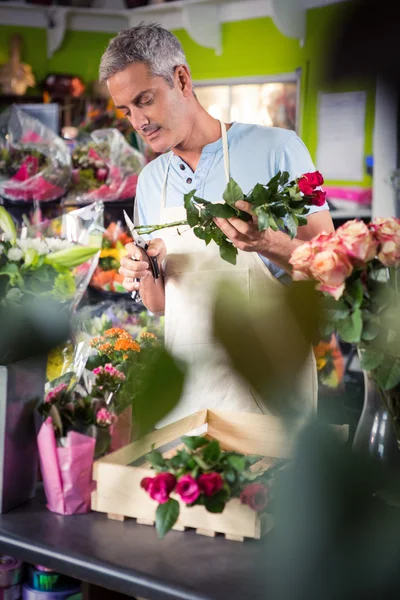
{"x": 331, "y": 269}
{"x": 304, "y": 186}
{"x": 314, "y": 179}
{"x": 159, "y": 487}
{"x": 300, "y": 260}
{"x": 389, "y": 254}
{"x": 255, "y": 495}
{"x": 188, "y": 489}
{"x": 318, "y": 198}
{"x": 210, "y": 483}
{"x": 53, "y": 394}
{"x": 386, "y": 230}
{"x": 98, "y": 371}
{"x": 324, "y": 241}
{"x": 358, "y": 240}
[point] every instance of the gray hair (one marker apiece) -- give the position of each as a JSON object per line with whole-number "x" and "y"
{"x": 150, "y": 44}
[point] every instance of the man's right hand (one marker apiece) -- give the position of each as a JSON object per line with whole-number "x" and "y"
{"x": 139, "y": 267}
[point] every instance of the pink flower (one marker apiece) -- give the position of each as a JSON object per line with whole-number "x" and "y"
{"x": 105, "y": 418}
{"x": 309, "y": 181}
{"x": 98, "y": 371}
{"x": 386, "y": 230}
{"x": 210, "y": 483}
{"x": 108, "y": 368}
{"x": 159, "y": 487}
{"x": 188, "y": 489}
{"x": 389, "y": 254}
{"x": 55, "y": 392}
{"x": 301, "y": 260}
{"x": 331, "y": 269}
{"x": 28, "y": 169}
{"x": 358, "y": 240}
{"x": 255, "y": 495}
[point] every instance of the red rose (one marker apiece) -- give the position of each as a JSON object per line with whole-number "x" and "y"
{"x": 145, "y": 483}
{"x": 188, "y": 489}
{"x": 255, "y": 495}
{"x": 318, "y": 198}
{"x": 210, "y": 483}
{"x": 314, "y": 179}
{"x": 304, "y": 186}
{"x": 159, "y": 487}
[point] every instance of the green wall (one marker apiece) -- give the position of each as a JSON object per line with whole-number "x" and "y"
{"x": 250, "y": 48}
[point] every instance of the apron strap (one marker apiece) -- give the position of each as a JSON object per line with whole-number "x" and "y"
{"x": 225, "y": 150}
{"x": 164, "y": 187}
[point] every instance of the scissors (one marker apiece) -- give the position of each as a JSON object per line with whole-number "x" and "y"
{"x": 139, "y": 241}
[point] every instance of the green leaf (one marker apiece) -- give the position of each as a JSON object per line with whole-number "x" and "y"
{"x": 156, "y": 459}
{"x": 259, "y": 195}
{"x": 284, "y": 178}
{"x": 291, "y": 223}
{"x": 334, "y": 310}
{"x": 216, "y": 503}
{"x": 194, "y": 441}
{"x": 203, "y": 234}
{"x": 221, "y": 211}
{"x": 7, "y": 225}
{"x": 263, "y": 218}
{"x": 302, "y": 220}
{"x": 350, "y": 329}
{"x": 388, "y": 373}
{"x": 370, "y": 330}
{"x": 230, "y": 476}
{"x": 355, "y": 290}
{"x": 232, "y": 193}
{"x": 212, "y": 452}
{"x": 166, "y": 516}
{"x": 370, "y": 359}
{"x": 237, "y": 462}
{"x": 31, "y": 257}
{"x": 228, "y": 252}
{"x": 192, "y": 214}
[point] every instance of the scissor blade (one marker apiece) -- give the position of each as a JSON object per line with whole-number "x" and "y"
{"x": 129, "y": 222}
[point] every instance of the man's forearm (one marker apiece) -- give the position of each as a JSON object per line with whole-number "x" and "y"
{"x": 279, "y": 249}
{"x": 152, "y": 293}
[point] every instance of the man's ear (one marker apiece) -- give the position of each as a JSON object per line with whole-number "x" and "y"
{"x": 183, "y": 80}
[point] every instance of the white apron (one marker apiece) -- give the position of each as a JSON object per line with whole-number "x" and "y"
{"x": 191, "y": 272}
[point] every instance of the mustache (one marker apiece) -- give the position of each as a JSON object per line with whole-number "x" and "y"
{"x": 149, "y": 129}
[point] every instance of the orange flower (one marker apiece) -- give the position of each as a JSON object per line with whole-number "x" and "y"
{"x": 95, "y": 341}
{"x": 148, "y": 336}
{"x": 106, "y": 347}
{"x": 125, "y": 345}
{"x": 115, "y": 332}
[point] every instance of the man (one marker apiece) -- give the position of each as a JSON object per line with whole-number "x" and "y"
{"x": 149, "y": 80}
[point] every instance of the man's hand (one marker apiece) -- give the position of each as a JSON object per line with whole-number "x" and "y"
{"x": 139, "y": 267}
{"x": 245, "y": 234}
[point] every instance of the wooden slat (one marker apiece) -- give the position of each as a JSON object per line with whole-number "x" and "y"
{"x": 115, "y": 517}
{"x": 167, "y": 434}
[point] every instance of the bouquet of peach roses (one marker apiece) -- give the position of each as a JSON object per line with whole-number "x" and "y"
{"x": 357, "y": 269}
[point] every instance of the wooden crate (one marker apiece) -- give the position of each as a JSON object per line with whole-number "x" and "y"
{"x": 119, "y": 493}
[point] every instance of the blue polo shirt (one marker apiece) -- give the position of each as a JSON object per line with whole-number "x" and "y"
{"x": 256, "y": 154}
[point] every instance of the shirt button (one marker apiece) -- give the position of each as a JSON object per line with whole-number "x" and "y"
{"x": 189, "y": 180}
{"x": 182, "y": 167}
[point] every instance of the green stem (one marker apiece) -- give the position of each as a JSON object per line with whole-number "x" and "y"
{"x": 391, "y": 415}
{"x": 147, "y": 229}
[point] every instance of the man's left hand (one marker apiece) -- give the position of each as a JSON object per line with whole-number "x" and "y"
{"x": 245, "y": 234}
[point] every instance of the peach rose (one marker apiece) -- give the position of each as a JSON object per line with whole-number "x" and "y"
{"x": 300, "y": 260}
{"x": 386, "y": 230}
{"x": 389, "y": 253}
{"x": 325, "y": 241}
{"x": 358, "y": 240}
{"x": 331, "y": 269}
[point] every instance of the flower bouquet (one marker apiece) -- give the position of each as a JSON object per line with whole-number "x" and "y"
{"x": 202, "y": 474}
{"x": 279, "y": 204}
{"x": 35, "y": 164}
{"x": 78, "y": 418}
{"x": 106, "y": 168}
{"x": 357, "y": 270}
{"x": 36, "y": 266}
{"x": 106, "y": 277}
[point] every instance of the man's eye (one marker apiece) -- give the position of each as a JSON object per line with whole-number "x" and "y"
{"x": 146, "y": 100}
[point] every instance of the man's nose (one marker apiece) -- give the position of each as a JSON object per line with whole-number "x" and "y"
{"x": 138, "y": 120}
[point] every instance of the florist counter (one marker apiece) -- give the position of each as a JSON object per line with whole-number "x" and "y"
{"x": 129, "y": 559}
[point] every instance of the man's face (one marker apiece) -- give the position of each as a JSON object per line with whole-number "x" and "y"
{"x": 154, "y": 109}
